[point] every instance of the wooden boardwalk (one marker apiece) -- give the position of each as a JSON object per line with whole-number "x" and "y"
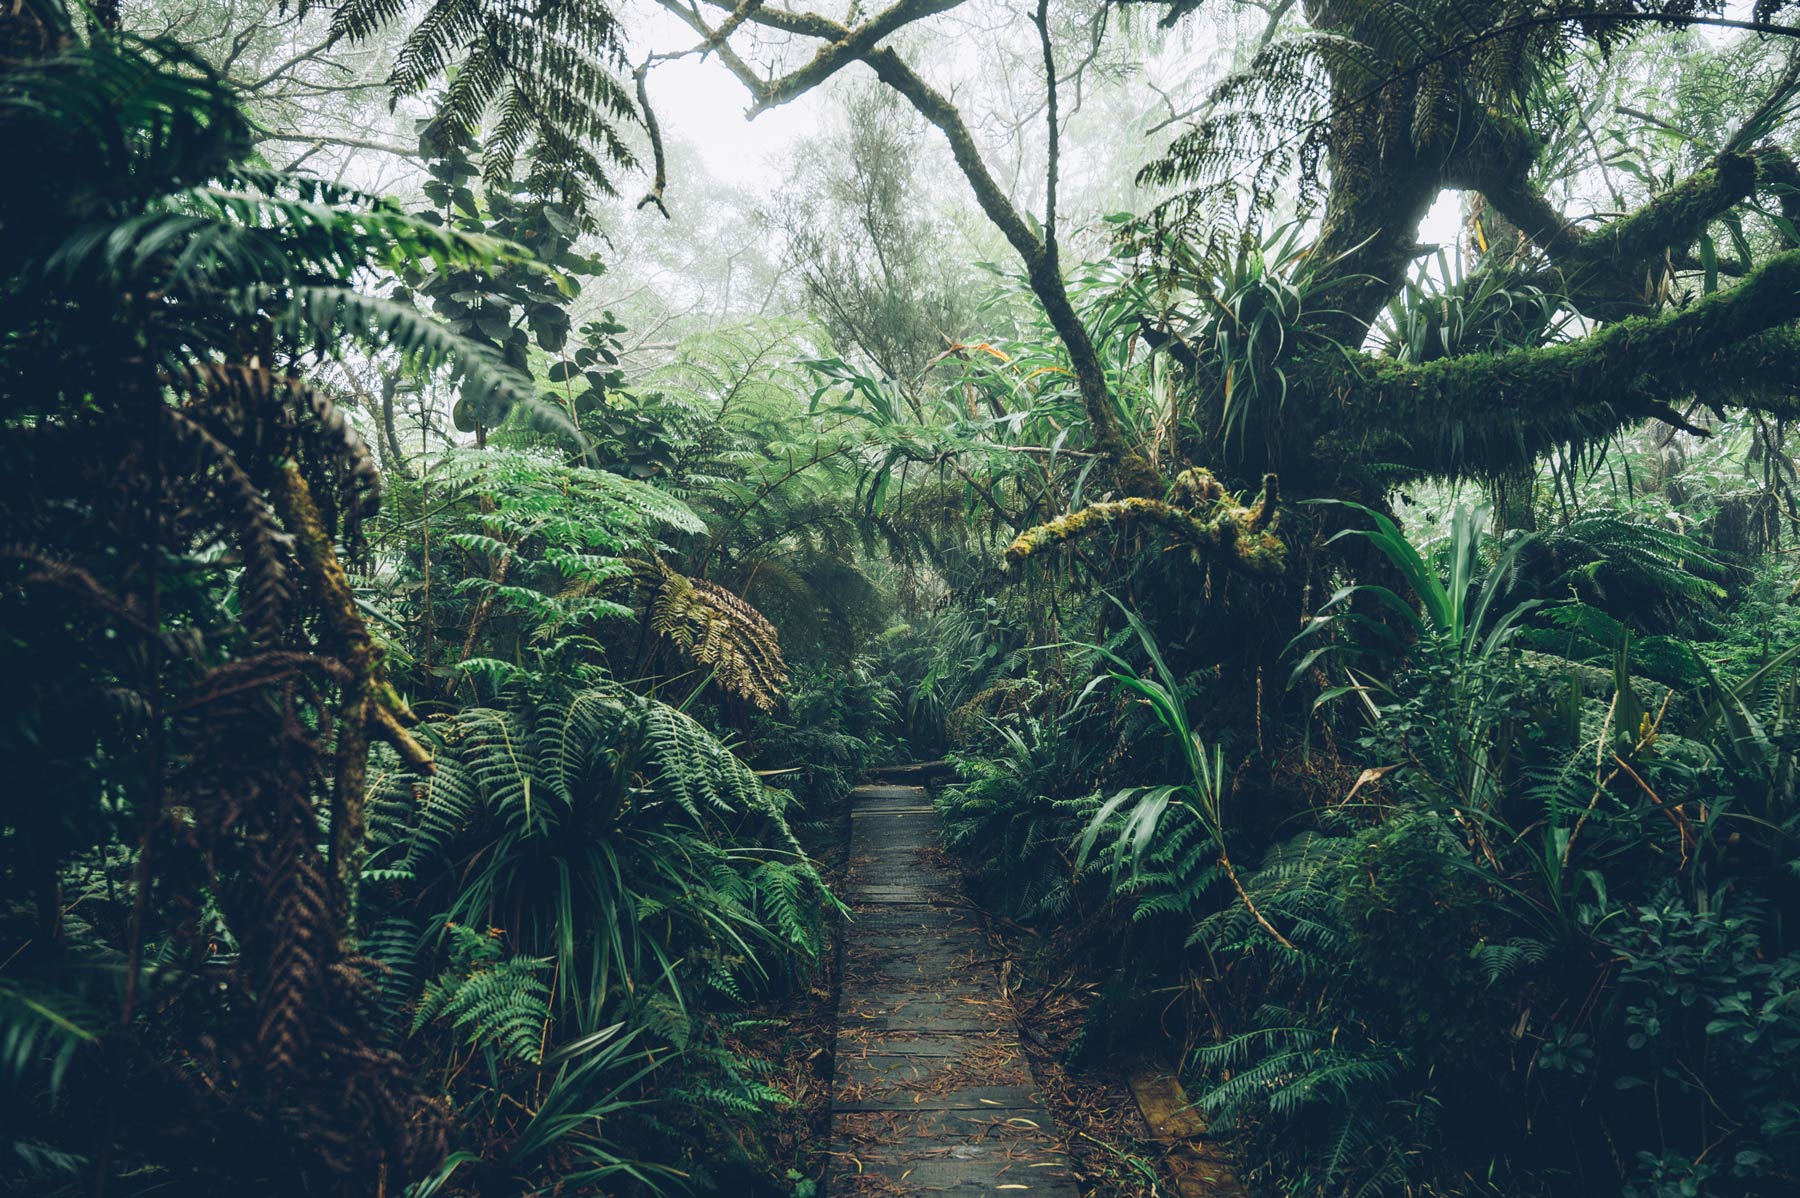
{"x": 931, "y": 1092}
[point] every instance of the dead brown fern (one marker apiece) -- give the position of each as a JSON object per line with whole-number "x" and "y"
{"x": 716, "y": 630}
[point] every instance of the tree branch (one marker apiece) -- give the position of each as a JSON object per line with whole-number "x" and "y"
{"x": 1204, "y": 519}
{"x": 1136, "y": 475}
{"x": 352, "y": 143}
{"x": 851, "y": 45}
{"x": 847, "y": 45}
{"x": 1484, "y": 414}
{"x": 660, "y": 179}
{"x": 1618, "y": 269}
{"x": 1042, "y": 20}
{"x": 715, "y": 43}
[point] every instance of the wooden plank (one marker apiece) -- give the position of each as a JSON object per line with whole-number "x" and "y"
{"x": 931, "y": 1092}
{"x": 1197, "y": 1169}
{"x": 918, "y": 772}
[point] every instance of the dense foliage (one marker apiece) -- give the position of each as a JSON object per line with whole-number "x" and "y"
{"x": 263, "y": 927}
{"x": 431, "y": 668}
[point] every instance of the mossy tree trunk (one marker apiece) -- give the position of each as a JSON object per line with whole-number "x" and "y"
{"x": 1396, "y": 137}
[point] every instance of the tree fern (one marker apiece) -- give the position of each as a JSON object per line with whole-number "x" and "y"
{"x": 542, "y": 90}
{"x": 178, "y": 483}
{"x": 1661, "y": 579}
{"x": 642, "y": 827}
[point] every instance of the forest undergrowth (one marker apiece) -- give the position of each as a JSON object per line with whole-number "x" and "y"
{"x": 437, "y": 646}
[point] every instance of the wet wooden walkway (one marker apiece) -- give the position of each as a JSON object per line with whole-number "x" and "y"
{"x": 931, "y": 1094}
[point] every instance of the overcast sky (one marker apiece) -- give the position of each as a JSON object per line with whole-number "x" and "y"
{"x": 700, "y": 102}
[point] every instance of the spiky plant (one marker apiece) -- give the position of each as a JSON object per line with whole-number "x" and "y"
{"x": 636, "y": 877}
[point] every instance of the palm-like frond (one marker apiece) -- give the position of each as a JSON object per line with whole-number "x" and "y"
{"x": 543, "y": 88}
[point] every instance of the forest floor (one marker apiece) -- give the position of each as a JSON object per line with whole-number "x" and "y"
{"x": 1102, "y": 1106}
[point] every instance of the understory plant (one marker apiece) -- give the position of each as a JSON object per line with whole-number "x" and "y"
{"x": 568, "y": 910}
{"x": 1498, "y": 941}
{"x": 1545, "y": 926}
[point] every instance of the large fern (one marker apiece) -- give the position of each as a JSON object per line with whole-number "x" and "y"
{"x": 542, "y": 88}
{"x": 586, "y": 870}
{"x": 641, "y": 831}
{"x": 177, "y": 483}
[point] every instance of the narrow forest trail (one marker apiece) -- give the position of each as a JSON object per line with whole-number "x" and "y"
{"x": 931, "y": 1092}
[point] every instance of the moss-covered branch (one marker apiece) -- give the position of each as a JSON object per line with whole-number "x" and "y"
{"x": 1674, "y": 218}
{"x": 1198, "y": 514}
{"x": 1487, "y": 413}
{"x": 1617, "y": 269}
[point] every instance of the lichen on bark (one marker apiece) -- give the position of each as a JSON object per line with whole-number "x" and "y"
{"x": 1199, "y": 514}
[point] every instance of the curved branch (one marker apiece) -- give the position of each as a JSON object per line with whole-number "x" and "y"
{"x": 1241, "y": 537}
{"x": 1135, "y": 476}
{"x": 852, "y": 45}
{"x": 660, "y": 179}
{"x": 1618, "y": 268}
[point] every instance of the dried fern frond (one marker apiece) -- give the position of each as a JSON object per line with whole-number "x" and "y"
{"x": 718, "y": 630}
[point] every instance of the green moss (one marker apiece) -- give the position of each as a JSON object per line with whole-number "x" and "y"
{"x": 1671, "y": 219}
{"x": 1484, "y": 414}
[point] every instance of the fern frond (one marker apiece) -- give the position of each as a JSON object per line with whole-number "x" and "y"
{"x": 718, "y": 630}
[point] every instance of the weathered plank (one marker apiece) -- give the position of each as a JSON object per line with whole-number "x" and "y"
{"x": 932, "y": 1094}
{"x": 918, "y": 773}
{"x": 1199, "y": 1170}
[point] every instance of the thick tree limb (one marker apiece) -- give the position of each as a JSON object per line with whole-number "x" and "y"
{"x": 1382, "y": 183}
{"x": 1488, "y": 413}
{"x": 1619, "y": 268}
{"x": 853, "y": 45}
